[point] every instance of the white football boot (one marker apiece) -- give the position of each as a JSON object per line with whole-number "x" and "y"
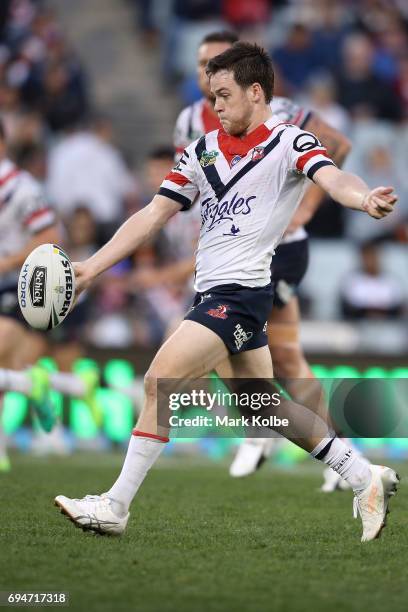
{"x": 372, "y": 502}
{"x": 333, "y": 482}
{"x": 93, "y": 513}
{"x": 251, "y": 455}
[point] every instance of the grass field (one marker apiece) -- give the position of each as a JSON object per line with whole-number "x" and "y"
{"x": 199, "y": 540}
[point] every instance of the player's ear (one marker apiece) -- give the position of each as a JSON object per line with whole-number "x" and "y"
{"x": 256, "y": 92}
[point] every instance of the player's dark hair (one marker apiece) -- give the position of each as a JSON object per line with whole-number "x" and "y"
{"x": 2, "y": 130}
{"x": 220, "y": 36}
{"x": 249, "y": 64}
{"x": 162, "y": 153}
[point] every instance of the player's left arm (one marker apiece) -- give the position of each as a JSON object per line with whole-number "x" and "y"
{"x": 337, "y": 147}
{"x": 352, "y": 192}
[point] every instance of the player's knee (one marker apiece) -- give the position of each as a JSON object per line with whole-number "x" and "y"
{"x": 287, "y": 361}
{"x": 150, "y": 384}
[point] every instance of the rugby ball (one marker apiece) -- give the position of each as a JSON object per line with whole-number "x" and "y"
{"x": 46, "y": 287}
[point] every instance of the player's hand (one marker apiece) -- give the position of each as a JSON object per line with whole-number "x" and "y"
{"x": 379, "y": 202}
{"x": 82, "y": 277}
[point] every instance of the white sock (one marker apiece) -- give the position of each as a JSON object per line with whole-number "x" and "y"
{"x": 140, "y": 456}
{"x": 349, "y": 442}
{"x": 345, "y": 461}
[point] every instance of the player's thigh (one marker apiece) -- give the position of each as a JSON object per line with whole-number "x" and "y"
{"x": 11, "y": 337}
{"x": 192, "y": 351}
{"x": 251, "y": 364}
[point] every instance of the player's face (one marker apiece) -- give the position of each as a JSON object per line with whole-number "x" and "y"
{"x": 206, "y": 52}
{"x": 233, "y": 104}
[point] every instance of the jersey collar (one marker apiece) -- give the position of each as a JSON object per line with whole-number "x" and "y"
{"x": 231, "y": 146}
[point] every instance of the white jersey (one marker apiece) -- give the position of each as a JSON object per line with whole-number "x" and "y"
{"x": 248, "y": 190}
{"x": 196, "y": 120}
{"x": 23, "y": 213}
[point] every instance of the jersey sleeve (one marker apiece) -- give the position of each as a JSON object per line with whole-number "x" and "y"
{"x": 180, "y": 184}
{"x": 307, "y": 154}
{"x": 35, "y": 213}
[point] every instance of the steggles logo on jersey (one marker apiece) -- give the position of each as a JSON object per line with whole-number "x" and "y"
{"x": 258, "y": 153}
{"x": 241, "y": 336}
{"x": 216, "y": 212}
{"x": 235, "y": 160}
{"x": 208, "y": 158}
{"x": 220, "y": 312}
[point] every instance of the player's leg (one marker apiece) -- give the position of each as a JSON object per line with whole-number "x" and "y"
{"x": 289, "y": 364}
{"x": 293, "y": 370}
{"x": 192, "y": 351}
{"x": 372, "y": 485}
{"x": 252, "y": 452}
{"x": 288, "y": 267}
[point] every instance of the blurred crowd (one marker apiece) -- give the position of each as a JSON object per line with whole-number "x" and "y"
{"x": 346, "y": 60}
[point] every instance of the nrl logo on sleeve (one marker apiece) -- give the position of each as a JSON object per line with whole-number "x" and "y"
{"x": 208, "y": 158}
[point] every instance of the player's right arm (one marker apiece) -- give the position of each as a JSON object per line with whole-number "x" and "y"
{"x": 309, "y": 157}
{"x": 352, "y": 192}
{"x": 139, "y": 228}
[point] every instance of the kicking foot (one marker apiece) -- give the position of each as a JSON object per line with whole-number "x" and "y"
{"x": 372, "y": 502}
{"x": 93, "y": 513}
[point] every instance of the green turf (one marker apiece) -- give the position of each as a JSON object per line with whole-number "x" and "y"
{"x": 199, "y": 540}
